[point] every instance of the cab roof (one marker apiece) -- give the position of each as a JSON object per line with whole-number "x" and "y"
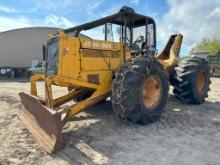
{"x": 126, "y": 14}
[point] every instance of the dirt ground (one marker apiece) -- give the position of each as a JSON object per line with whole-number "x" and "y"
{"x": 185, "y": 134}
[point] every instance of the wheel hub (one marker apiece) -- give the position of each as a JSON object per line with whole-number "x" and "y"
{"x": 151, "y": 92}
{"x": 201, "y": 81}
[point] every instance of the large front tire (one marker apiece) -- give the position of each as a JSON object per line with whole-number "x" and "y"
{"x": 140, "y": 90}
{"x": 191, "y": 80}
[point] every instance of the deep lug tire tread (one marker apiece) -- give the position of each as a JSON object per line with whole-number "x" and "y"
{"x": 184, "y": 80}
{"x": 126, "y": 88}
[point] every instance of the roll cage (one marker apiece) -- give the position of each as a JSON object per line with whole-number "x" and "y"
{"x": 126, "y": 17}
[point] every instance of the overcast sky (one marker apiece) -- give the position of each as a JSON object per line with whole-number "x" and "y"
{"x": 195, "y": 19}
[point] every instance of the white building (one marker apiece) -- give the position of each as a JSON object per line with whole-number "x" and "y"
{"x": 22, "y": 48}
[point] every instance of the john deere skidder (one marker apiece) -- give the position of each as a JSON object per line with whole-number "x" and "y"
{"x": 124, "y": 65}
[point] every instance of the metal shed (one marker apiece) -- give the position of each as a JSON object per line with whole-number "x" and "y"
{"x": 22, "y": 48}
{"x": 214, "y": 63}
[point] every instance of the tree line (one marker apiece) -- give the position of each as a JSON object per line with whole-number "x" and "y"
{"x": 210, "y": 45}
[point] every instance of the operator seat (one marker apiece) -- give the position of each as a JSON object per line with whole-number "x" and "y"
{"x": 137, "y": 45}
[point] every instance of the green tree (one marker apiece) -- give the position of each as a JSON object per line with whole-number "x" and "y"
{"x": 207, "y": 45}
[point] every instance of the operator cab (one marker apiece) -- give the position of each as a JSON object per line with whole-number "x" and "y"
{"x": 137, "y": 32}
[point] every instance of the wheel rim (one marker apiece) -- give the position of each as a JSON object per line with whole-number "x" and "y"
{"x": 201, "y": 81}
{"x": 151, "y": 92}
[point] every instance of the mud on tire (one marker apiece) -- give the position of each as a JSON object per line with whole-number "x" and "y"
{"x": 127, "y": 97}
{"x": 191, "y": 80}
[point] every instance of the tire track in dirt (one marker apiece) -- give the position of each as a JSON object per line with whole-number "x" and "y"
{"x": 185, "y": 134}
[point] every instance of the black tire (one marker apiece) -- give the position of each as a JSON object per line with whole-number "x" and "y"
{"x": 185, "y": 79}
{"x": 127, "y": 100}
{"x": 82, "y": 96}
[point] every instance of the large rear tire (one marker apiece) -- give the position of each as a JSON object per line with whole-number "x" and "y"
{"x": 191, "y": 80}
{"x": 140, "y": 90}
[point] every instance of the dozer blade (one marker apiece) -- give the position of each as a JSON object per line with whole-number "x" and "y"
{"x": 43, "y": 123}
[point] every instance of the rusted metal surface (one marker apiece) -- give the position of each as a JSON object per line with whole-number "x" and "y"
{"x": 44, "y": 124}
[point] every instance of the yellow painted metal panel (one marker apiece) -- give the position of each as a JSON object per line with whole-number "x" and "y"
{"x": 87, "y": 43}
{"x": 69, "y": 60}
{"x": 104, "y": 76}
